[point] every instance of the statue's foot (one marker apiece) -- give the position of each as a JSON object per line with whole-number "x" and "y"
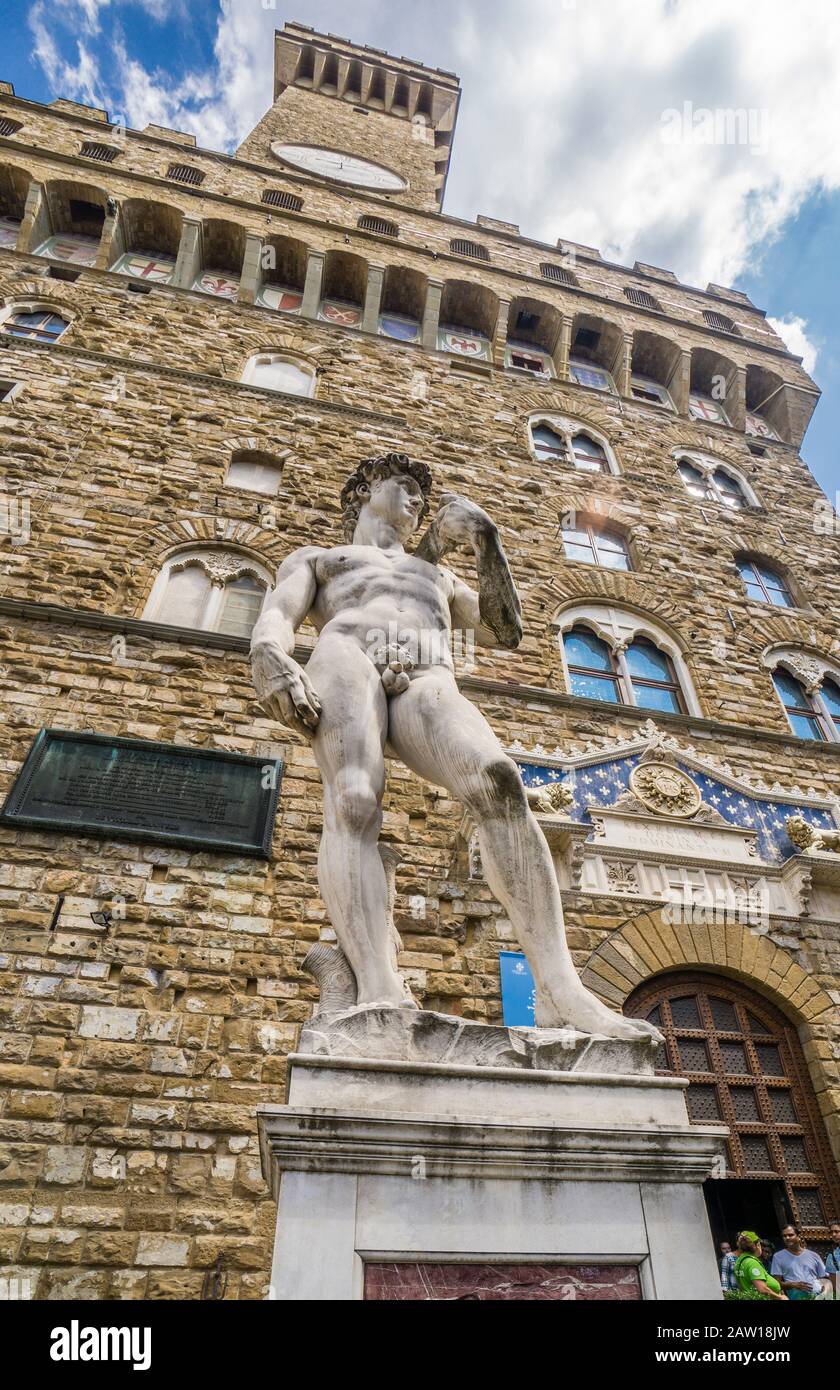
{"x": 386, "y": 996}
{"x": 573, "y": 1006}
{"x": 404, "y": 1002}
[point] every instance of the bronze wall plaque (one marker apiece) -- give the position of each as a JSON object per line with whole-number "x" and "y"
{"x": 128, "y": 788}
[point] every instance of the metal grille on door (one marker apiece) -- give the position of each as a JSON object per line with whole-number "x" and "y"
{"x": 745, "y": 1067}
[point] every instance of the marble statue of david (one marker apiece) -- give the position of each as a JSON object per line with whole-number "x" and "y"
{"x": 360, "y": 694}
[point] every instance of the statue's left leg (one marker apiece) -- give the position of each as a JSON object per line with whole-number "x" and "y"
{"x": 445, "y": 739}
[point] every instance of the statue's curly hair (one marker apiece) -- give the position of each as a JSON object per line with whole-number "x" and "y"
{"x": 357, "y": 488}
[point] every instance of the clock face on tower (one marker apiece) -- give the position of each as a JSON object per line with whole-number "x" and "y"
{"x": 345, "y": 168}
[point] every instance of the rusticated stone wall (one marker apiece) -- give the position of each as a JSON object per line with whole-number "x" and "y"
{"x": 132, "y": 1058}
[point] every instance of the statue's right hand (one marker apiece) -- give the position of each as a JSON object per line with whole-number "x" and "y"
{"x": 283, "y": 688}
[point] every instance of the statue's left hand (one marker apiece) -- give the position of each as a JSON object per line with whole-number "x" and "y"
{"x": 460, "y": 522}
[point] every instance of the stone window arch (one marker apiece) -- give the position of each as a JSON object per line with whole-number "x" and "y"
{"x": 622, "y": 657}
{"x": 75, "y": 215}
{"x": 765, "y": 582}
{"x": 596, "y": 353}
{"x": 220, "y": 255}
{"x": 808, "y": 688}
{"x": 468, "y": 316}
{"x": 713, "y": 386}
{"x": 146, "y": 240}
{"x": 277, "y": 371}
{"x": 36, "y": 319}
{"x": 558, "y": 438}
{"x": 767, "y": 407}
{"x": 344, "y": 289}
{"x": 211, "y": 590}
{"x": 533, "y": 334}
{"x": 654, "y": 370}
{"x": 710, "y": 480}
{"x": 14, "y": 187}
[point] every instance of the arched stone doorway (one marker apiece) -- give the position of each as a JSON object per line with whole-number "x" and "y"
{"x": 745, "y": 1067}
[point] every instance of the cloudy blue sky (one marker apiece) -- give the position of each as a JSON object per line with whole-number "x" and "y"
{"x": 561, "y": 125}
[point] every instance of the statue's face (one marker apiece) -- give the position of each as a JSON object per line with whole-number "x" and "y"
{"x": 397, "y": 500}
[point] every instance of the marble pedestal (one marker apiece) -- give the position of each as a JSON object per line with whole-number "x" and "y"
{"x": 554, "y": 1158}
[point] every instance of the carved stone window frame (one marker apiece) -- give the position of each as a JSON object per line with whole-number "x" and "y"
{"x": 36, "y": 306}
{"x": 708, "y": 465}
{"x": 221, "y": 565}
{"x": 568, "y": 428}
{"x": 811, "y": 671}
{"x": 618, "y": 628}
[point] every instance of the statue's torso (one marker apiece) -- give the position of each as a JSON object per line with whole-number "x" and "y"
{"x": 361, "y": 588}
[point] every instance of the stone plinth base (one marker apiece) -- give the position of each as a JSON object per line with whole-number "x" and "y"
{"x": 419, "y": 1035}
{"x": 390, "y": 1173}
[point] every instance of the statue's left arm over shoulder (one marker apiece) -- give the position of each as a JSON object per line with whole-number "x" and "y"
{"x": 494, "y": 614}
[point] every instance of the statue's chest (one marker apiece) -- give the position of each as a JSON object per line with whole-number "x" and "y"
{"x": 360, "y": 570}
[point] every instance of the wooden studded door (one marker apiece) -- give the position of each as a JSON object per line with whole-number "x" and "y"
{"x": 745, "y": 1067}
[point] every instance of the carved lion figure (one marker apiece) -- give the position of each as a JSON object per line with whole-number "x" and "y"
{"x": 549, "y": 800}
{"x": 807, "y": 838}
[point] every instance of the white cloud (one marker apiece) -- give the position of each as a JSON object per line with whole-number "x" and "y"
{"x": 794, "y": 332}
{"x": 573, "y": 119}
{"x": 563, "y": 124}
{"x": 79, "y": 81}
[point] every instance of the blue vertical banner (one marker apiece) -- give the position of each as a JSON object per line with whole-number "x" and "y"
{"x": 518, "y": 990}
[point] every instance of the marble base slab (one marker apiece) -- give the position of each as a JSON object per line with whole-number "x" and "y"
{"x": 388, "y": 1162}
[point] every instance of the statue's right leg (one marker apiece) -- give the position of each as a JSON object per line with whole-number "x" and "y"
{"x": 348, "y": 747}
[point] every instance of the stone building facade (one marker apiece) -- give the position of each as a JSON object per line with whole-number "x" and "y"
{"x": 196, "y": 350}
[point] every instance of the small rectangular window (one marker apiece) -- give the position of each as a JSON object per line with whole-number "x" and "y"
{"x": 8, "y": 127}
{"x": 185, "y": 173}
{"x": 642, "y": 388}
{"x": 586, "y": 374}
{"x": 104, "y": 154}
{"x": 279, "y": 198}
{"x": 89, "y": 214}
{"x": 8, "y": 389}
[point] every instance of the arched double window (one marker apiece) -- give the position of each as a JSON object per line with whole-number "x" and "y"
{"x": 275, "y": 372}
{"x": 810, "y": 697}
{"x": 212, "y": 590}
{"x": 42, "y": 324}
{"x": 637, "y": 672}
{"x": 709, "y": 481}
{"x": 764, "y": 583}
{"x": 555, "y": 439}
{"x": 592, "y": 544}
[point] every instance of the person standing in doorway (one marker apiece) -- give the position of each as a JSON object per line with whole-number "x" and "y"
{"x": 750, "y": 1275}
{"x": 832, "y": 1263}
{"x": 800, "y": 1271}
{"x": 727, "y": 1267}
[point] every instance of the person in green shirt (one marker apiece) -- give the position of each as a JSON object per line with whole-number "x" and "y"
{"x": 750, "y": 1275}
